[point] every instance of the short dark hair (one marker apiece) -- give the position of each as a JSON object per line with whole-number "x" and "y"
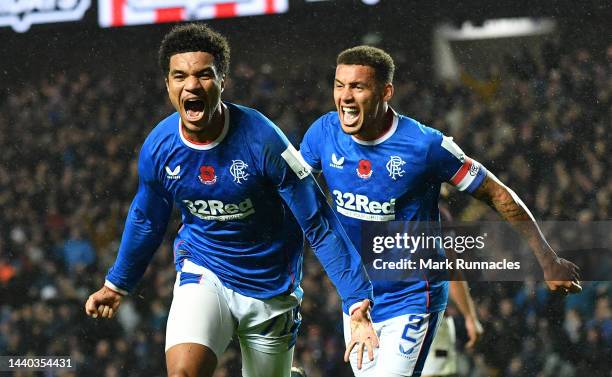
{"x": 194, "y": 37}
{"x": 372, "y": 57}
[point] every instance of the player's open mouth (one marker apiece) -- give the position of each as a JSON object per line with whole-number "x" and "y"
{"x": 194, "y": 109}
{"x": 350, "y": 116}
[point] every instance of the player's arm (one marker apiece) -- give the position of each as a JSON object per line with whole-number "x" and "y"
{"x": 144, "y": 230}
{"x": 460, "y": 294}
{"x": 450, "y": 164}
{"x": 559, "y": 273}
{"x": 320, "y": 224}
{"x": 334, "y": 250}
{"x": 285, "y": 166}
{"x": 323, "y": 231}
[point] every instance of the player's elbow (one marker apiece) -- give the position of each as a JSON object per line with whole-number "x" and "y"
{"x": 316, "y": 235}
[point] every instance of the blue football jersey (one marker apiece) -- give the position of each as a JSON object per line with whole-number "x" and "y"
{"x": 244, "y": 200}
{"x": 396, "y": 177}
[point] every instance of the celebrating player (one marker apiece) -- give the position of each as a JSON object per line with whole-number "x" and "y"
{"x": 244, "y": 192}
{"x": 381, "y": 166}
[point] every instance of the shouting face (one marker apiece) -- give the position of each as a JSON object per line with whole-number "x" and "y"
{"x": 194, "y": 87}
{"x": 361, "y": 100}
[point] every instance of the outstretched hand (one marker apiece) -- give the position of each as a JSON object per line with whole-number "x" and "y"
{"x": 362, "y": 334}
{"x": 103, "y": 303}
{"x": 567, "y": 272}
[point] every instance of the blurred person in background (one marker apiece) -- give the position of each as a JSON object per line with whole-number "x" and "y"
{"x": 442, "y": 357}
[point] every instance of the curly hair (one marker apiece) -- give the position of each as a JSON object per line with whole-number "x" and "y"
{"x": 376, "y": 58}
{"x": 194, "y": 37}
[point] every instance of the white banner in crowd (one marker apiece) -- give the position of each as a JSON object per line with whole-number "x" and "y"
{"x": 21, "y": 14}
{"x": 137, "y": 12}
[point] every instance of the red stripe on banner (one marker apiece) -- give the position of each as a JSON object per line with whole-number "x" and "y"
{"x": 117, "y": 10}
{"x": 169, "y": 15}
{"x": 458, "y": 177}
{"x": 225, "y": 10}
{"x": 270, "y": 8}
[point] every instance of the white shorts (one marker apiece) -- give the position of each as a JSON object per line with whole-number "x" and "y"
{"x": 404, "y": 345}
{"x": 205, "y": 312}
{"x": 442, "y": 358}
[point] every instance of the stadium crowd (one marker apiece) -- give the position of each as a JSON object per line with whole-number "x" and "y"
{"x": 68, "y": 173}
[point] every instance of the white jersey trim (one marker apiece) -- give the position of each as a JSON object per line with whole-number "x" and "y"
{"x": 113, "y": 287}
{"x": 452, "y": 148}
{"x": 383, "y": 137}
{"x": 205, "y": 147}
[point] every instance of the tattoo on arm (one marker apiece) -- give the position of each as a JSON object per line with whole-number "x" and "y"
{"x": 501, "y": 199}
{"x": 512, "y": 209}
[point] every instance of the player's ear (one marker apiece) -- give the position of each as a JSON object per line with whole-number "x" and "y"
{"x": 167, "y": 84}
{"x": 222, "y": 82}
{"x": 388, "y": 91}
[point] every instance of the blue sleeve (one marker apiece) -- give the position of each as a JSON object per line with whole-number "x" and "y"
{"x": 144, "y": 228}
{"x": 309, "y": 148}
{"x": 449, "y": 164}
{"x": 283, "y": 164}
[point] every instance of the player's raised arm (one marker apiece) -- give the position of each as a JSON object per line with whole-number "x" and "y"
{"x": 144, "y": 230}
{"x": 453, "y": 166}
{"x": 560, "y": 274}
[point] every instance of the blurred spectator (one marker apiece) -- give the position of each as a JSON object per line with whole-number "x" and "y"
{"x": 77, "y": 252}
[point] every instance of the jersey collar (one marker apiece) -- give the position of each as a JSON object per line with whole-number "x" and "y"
{"x": 384, "y": 137}
{"x": 211, "y": 145}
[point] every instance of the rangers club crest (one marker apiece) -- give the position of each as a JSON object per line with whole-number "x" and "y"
{"x": 207, "y": 175}
{"x": 237, "y": 171}
{"x": 364, "y": 169}
{"x": 394, "y": 167}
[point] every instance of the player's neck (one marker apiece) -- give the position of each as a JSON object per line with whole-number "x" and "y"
{"x": 380, "y": 127}
{"x": 210, "y": 133}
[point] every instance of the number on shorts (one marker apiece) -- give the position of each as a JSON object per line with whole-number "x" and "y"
{"x": 412, "y": 326}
